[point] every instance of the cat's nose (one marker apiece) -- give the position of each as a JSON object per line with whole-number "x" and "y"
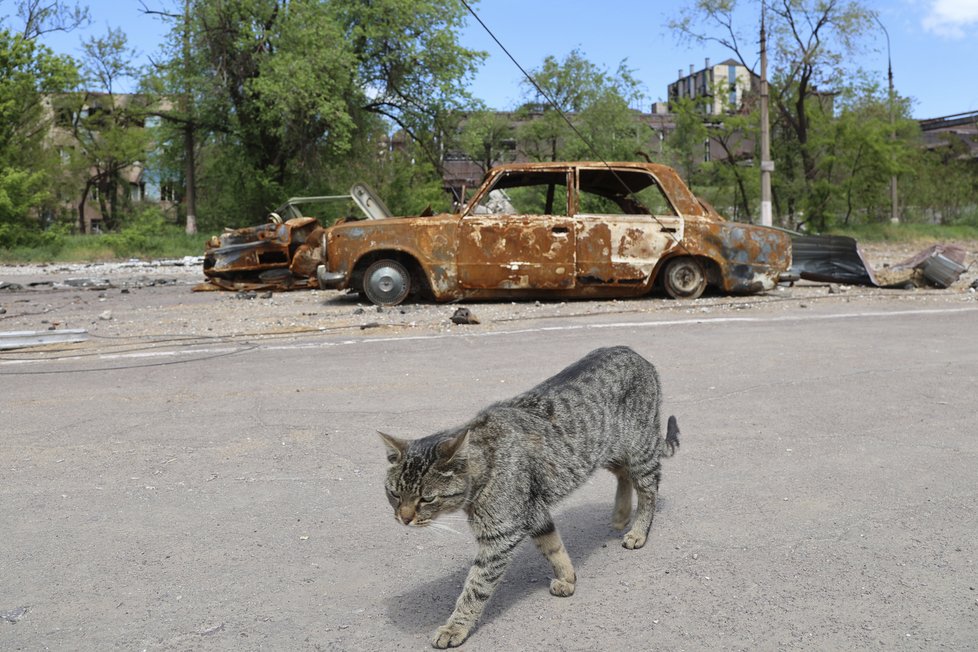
{"x": 406, "y": 514}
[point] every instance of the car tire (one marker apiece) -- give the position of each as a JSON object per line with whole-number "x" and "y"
{"x": 684, "y": 278}
{"x": 386, "y": 282}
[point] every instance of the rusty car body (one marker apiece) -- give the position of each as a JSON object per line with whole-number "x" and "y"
{"x": 563, "y": 230}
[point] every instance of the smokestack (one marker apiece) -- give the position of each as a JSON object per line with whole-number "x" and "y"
{"x": 680, "y": 75}
{"x": 707, "y": 63}
{"x": 690, "y": 70}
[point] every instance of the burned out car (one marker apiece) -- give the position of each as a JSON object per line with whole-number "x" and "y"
{"x": 567, "y": 230}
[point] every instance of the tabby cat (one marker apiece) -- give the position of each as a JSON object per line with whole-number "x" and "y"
{"x": 510, "y": 464}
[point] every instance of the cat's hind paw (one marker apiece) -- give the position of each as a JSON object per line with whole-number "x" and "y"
{"x": 449, "y": 636}
{"x": 633, "y": 540}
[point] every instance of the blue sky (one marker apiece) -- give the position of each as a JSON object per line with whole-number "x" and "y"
{"x": 933, "y": 44}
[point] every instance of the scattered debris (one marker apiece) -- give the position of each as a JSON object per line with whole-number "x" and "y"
{"x": 88, "y": 283}
{"x": 464, "y": 316}
{"x": 213, "y": 630}
{"x": 838, "y": 259}
{"x": 106, "y": 315}
{"x": 941, "y": 265}
{"x": 22, "y": 339}
{"x": 14, "y": 615}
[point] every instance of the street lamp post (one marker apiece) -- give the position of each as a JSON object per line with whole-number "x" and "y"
{"x": 894, "y": 206}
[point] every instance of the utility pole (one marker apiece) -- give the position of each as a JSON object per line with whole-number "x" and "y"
{"x": 894, "y": 205}
{"x": 190, "y": 177}
{"x": 767, "y": 165}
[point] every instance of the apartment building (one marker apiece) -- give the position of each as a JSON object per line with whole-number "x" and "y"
{"x": 723, "y": 87}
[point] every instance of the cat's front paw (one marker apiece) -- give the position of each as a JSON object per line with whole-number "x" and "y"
{"x": 633, "y": 540}
{"x": 449, "y": 636}
{"x": 561, "y": 588}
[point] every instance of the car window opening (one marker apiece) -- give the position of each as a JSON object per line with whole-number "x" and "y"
{"x": 605, "y": 191}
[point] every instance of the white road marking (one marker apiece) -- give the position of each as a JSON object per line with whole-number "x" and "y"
{"x": 254, "y": 342}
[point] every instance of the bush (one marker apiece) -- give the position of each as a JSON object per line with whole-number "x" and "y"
{"x": 23, "y": 236}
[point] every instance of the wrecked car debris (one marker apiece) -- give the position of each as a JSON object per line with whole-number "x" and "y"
{"x": 574, "y": 230}
{"x": 940, "y": 265}
{"x": 281, "y": 254}
{"x": 839, "y": 259}
{"x": 830, "y": 258}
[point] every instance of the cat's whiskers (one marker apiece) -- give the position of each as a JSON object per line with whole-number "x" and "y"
{"x": 441, "y": 526}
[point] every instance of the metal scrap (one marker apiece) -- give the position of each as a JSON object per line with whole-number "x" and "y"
{"x": 839, "y": 259}
{"x": 23, "y": 339}
{"x": 281, "y": 254}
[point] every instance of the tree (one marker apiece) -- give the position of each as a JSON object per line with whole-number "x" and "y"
{"x": 578, "y": 110}
{"x": 941, "y": 183}
{"x": 29, "y": 73}
{"x": 813, "y": 40}
{"x": 411, "y": 67}
{"x": 685, "y": 144}
{"x": 860, "y": 153}
{"x": 40, "y": 17}
{"x": 486, "y": 137}
{"x": 107, "y": 128}
{"x": 282, "y": 89}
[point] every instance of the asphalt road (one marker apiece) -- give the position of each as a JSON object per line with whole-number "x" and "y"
{"x": 229, "y": 495}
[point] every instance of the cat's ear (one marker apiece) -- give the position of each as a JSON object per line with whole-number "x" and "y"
{"x": 395, "y": 447}
{"x": 452, "y": 447}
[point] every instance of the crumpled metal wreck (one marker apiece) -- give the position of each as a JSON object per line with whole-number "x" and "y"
{"x": 839, "y": 259}
{"x": 562, "y": 230}
{"x": 283, "y": 253}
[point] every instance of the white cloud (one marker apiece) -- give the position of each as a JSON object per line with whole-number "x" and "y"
{"x": 951, "y": 18}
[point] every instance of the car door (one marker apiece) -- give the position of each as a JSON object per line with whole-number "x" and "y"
{"x": 520, "y": 236}
{"x": 624, "y": 225}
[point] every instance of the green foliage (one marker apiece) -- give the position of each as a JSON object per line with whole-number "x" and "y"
{"x": 685, "y": 144}
{"x": 594, "y": 100}
{"x": 486, "y": 137}
{"x": 279, "y": 94}
{"x": 27, "y": 72}
{"x": 20, "y": 190}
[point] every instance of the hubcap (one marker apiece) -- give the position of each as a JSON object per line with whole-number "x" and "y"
{"x": 387, "y": 282}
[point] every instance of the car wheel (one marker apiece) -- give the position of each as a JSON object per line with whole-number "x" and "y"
{"x": 684, "y": 278}
{"x": 386, "y": 282}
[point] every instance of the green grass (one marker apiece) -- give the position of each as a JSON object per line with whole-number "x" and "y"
{"x": 908, "y": 232}
{"x": 109, "y": 247}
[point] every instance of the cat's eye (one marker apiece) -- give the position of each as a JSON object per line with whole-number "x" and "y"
{"x": 426, "y": 500}
{"x": 393, "y": 494}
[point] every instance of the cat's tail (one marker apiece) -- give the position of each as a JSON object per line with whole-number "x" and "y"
{"x": 672, "y": 436}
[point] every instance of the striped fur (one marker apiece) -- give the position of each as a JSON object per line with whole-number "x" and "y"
{"x": 516, "y": 459}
